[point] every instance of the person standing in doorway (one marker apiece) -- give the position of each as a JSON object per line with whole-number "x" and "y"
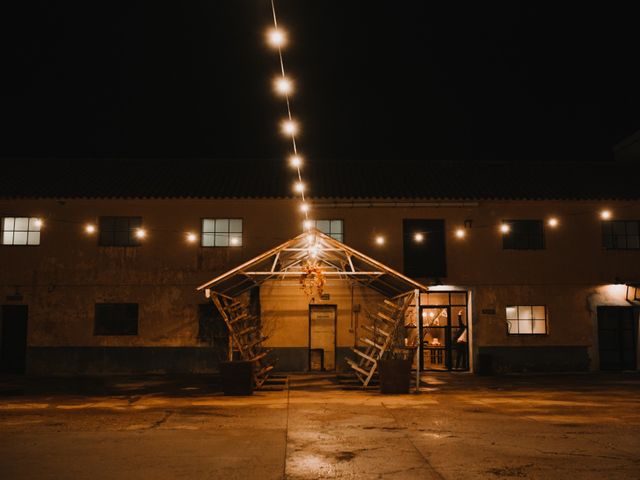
{"x": 461, "y": 346}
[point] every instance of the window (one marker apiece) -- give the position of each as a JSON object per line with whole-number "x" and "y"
{"x": 333, "y": 228}
{"x": 426, "y": 258}
{"x": 621, "y": 234}
{"x": 21, "y": 231}
{"x": 524, "y": 235}
{"x": 221, "y": 232}
{"x": 526, "y": 320}
{"x": 119, "y": 231}
{"x": 116, "y": 319}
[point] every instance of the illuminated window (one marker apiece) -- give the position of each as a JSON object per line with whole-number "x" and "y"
{"x": 526, "y": 320}
{"x": 21, "y": 231}
{"x": 221, "y": 232}
{"x": 523, "y": 235}
{"x": 116, "y": 319}
{"x": 333, "y": 228}
{"x": 119, "y": 231}
{"x": 621, "y": 234}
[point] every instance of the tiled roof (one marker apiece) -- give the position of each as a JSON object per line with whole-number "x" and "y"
{"x": 202, "y": 178}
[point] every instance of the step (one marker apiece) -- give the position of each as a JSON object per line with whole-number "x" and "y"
{"x": 245, "y": 331}
{"x": 239, "y": 318}
{"x": 382, "y": 316}
{"x": 390, "y": 304}
{"x": 364, "y": 355}
{"x": 355, "y": 366}
{"x": 377, "y": 331}
{"x": 261, "y": 355}
{"x": 255, "y": 342}
{"x": 368, "y": 341}
{"x": 263, "y": 371}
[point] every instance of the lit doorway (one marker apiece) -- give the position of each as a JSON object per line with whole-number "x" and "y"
{"x": 322, "y": 337}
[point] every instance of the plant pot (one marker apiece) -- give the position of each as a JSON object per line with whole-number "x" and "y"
{"x": 237, "y": 378}
{"x": 395, "y": 375}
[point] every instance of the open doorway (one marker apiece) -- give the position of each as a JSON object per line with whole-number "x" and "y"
{"x": 13, "y": 338}
{"x": 322, "y": 337}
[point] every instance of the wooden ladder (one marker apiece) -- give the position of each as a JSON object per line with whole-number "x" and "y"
{"x": 380, "y": 338}
{"x": 246, "y": 336}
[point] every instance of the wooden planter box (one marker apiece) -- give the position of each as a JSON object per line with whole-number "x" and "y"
{"x": 395, "y": 375}
{"x": 237, "y": 378}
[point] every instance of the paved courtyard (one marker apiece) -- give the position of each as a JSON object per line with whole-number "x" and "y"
{"x": 459, "y": 426}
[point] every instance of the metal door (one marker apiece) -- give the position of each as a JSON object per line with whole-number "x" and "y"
{"x": 322, "y": 334}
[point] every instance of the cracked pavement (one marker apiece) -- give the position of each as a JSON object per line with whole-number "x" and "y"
{"x": 458, "y": 426}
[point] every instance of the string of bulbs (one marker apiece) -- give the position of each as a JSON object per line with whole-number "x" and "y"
{"x": 283, "y": 85}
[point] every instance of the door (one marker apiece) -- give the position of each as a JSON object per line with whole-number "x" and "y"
{"x": 13, "y": 338}
{"x": 445, "y": 339}
{"x": 617, "y": 333}
{"x": 322, "y": 337}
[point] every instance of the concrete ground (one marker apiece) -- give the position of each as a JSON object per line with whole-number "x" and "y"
{"x": 459, "y": 426}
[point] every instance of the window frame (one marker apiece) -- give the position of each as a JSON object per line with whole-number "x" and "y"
{"x": 215, "y": 234}
{"x": 509, "y": 239}
{"x": 28, "y": 231}
{"x": 100, "y": 332}
{"x": 132, "y": 239}
{"x": 341, "y": 220}
{"x": 533, "y": 319}
{"x": 612, "y": 235}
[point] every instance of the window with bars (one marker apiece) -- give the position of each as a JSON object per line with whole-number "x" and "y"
{"x": 526, "y": 320}
{"x": 523, "y": 235}
{"x": 621, "y": 234}
{"x": 333, "y": 228}
{"x": 21, "y": 230}
{"x": 221, "y": 232}
{"x": 119, "y": 231}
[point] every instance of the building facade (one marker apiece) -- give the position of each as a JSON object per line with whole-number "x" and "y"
{"x": 102, "y": 278}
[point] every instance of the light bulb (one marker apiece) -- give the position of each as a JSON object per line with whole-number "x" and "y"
{"x": 141, "y": 233}
{"x": 505, "y": 228}
{"x": 298, "y": 187}
{"x": 283, "y": 86}
{"x": 295, "y": 161}
{"x": 418, "y": 237}
{"x": 191, "y": 237}
{"x": 380, "y": 240}
{"x": 605, "y": 214}
{"x": 460, "y": 233}
{"x": 552, "y": 222}
{"x": 38, "y": 222}
{"x": 235, "y": 241}
{"x": 289, "y": 127}
{"x": 304, "y": 208}
{"x": 276, "y": 38}
{"x": 90, "y": 228}
{"x": 307, "y": 224}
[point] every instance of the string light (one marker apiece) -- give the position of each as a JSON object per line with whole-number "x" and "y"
{"x": 90, "y": 228}
{"x": 141, "y": 233}
{"x": 277, "y": 38}
{"x": 380, "y": 240}
{"x": 307, "y": 224}
{"x": 289, "y": 127}
{"x": 553, "y": 222}
{"x": 235, "y": 241}
{"x": 38, "y": 223}
{"x": 295, "y": 161}
{"x": 298, "y": 187}
{"x": 418, "y": 237}
{"x": 283, "y": 86}
{"x": 505, "y": 228}
{"x": 605, "y": 214}
{"x": 304, "y": 207}
{"x": 192, "y": 237}
{"x": 460, "y": 233}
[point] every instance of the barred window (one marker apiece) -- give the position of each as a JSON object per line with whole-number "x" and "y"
{"x": 333, "y": 228}
{"x": 119, "y": 231}
{"x": 221, "y": 232}
{"x": 21, "y": 230}
{"x": 526, "y": 320}
{"x": 621, "y": 234}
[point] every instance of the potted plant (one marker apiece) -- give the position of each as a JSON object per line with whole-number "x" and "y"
{"x": 394, "y": 368}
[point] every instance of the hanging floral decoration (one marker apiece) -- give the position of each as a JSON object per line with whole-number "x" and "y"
{"x": 312, "y": 279}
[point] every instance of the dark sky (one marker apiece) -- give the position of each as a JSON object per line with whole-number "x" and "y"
{"x": 376, "y": 80}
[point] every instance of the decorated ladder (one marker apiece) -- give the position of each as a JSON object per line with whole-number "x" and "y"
{"x": 381, "y": 335}
{"x": 246, "y": 336}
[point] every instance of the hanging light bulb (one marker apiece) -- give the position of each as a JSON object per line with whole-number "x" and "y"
{"x": 304, "y": 208}
{"x": 90, "y": 228}
{"x": 418, "y": 237}
{"x": 192, "y": 237}
{"x": 553, "y": 222}
{"x": 38, "y": 223}
{"x": 505, "y": 228}
{"x": 283, "y": 86}
{"x": 298, "y": 187}
{"x": 460, "y": 233}
{"x": 141, "y": 233}
{"x": 289, "y": 127}
{"x": 307, "y": 224}
{"x": 605, "y": 214}
{"x": 380, "y": 240}
{"x": 295, "y": 161}
{"x": 276, "y": 37}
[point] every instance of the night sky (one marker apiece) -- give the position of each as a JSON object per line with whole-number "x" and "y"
{"x": 375, "y": 80}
